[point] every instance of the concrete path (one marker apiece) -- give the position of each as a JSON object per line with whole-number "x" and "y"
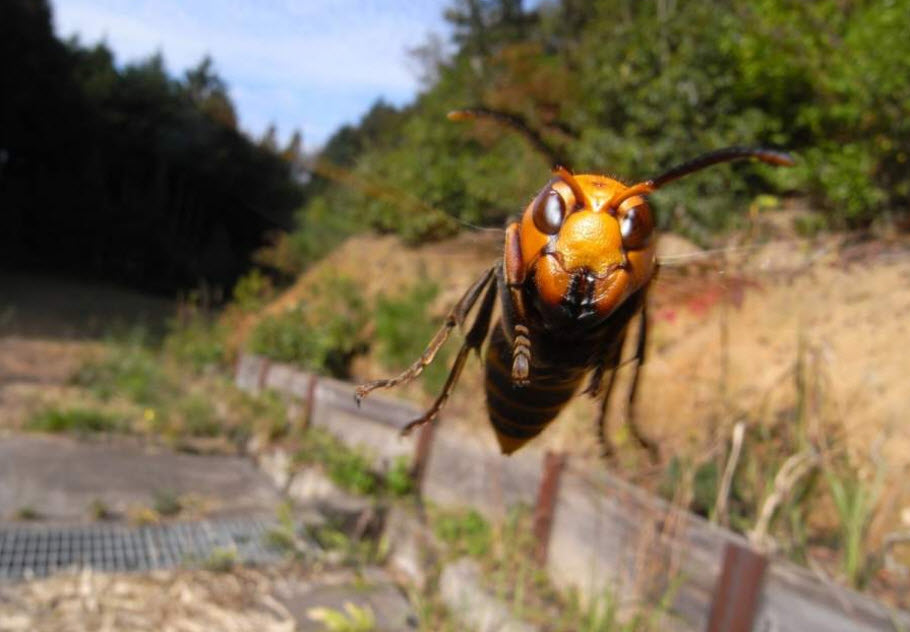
{"x": 370, "y": 590}
{"x": 60, "y": 478}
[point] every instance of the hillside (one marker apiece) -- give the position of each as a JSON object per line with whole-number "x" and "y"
{"x": 794, "y": 337}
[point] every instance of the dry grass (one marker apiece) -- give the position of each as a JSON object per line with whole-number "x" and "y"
{"x": 178, "y": 601}
{"x": 736, "y": 335}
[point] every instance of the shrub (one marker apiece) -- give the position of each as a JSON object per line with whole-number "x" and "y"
{"x": 398, "y": 479}
{"x": 197, "y": 340}
{"x": 130, "y": 371}
{"x": 322, "y": 333}
{"x": 464, "y": 532}
{"x": 79, "y": 420}
{"x": 252, "y": 291}
{"x": 199, "y": 419}
{"x": 403, "y": 327}
{"x": 347, "y": 468}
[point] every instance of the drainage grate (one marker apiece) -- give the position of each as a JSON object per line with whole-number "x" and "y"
{"x": 39, "y": 551}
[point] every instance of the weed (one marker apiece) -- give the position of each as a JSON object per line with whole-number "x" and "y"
{"x": 608, "y": 614}
{"x": 99, "y": 511}
{"x": 855, "y": 500}
{"x": 283, "y": 536}
{"x": 348, "y": 550}
{"x": 352, "y": 472}
{"x": 510, "y": 572}
{"x": 598, "y": 615}
{"x": 266, "y": 412}
{"x": 166, "y": 502}
{"x": 139, "y": 516}
{"x": 78, "y": 420}
{"x": 199, "y": 418}
{"x": 280, "y": 539}
{"x": 810, "y": 225}
{"x": 464, "y": 532}
{"x": 323, "y": 333}
{"x": 220, "y": 560}
{"x": 354, "y": 618}
{"x": 27, "y": 512}
{"x": 196, "y": 340}
{"x": 346, "y": 467}
{"x": 403, "y": 325}
{"x": 129, "y": 371}
{"x": 398, "y": 480}
{"x": 705, "y": 484}
{"x": 432, "y": 615}
{"x": 252, "y": 291}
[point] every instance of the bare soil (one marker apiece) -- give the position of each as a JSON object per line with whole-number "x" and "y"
{"x": 751, "y": 332}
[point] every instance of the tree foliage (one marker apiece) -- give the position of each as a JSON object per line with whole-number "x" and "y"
{"x": 628, "y": 89}
{"x": 126, "y": 172}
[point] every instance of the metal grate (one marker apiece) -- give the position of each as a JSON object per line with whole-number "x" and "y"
{"x": 39, "y": 551}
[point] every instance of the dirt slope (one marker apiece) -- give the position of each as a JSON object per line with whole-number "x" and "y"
{"x": 729, "y": 331}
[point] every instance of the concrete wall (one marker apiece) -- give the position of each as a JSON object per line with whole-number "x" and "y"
{"x": 605, "y": 534}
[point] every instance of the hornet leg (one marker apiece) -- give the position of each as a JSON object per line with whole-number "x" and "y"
{"x": 511, "y": 277}
{"x": 607, "y": 449}
{"x": 643, "y": 441}
{"x": 456, "y": 316}
{"x": 473, "y": 341}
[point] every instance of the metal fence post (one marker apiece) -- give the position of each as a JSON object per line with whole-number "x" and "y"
{"x": 553, "y": 464}
{"x": 422, "y": 454}
{"x": 738, "y": 589}
{"x": 310, "y": 401}
{"x": 263, "y": 374}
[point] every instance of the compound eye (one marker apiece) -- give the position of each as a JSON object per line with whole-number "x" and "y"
{"x": 549, "y": 212}
{"x": 636, "y": 225}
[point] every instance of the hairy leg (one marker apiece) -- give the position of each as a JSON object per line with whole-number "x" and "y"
{"x": 456, "y": 316}
{"x": 473, "y": 341}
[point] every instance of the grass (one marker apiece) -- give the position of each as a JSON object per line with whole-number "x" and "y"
{"x": 323, "y": 333}
{"x": 352, "y": 618}
{"x": 855, "y": 500}
{"x": 168, "y": 397}
{"x": 220, "y": 560}
{"x": 130, "y": 371}
{"x": 252, "y": 291}
{"x": 829, "y": 503}
{"x": 398, "y": 480}
{"x": 198, "y": 416}
{"x": 347, "y": 468}
{"x": 403, "y": 328}
{"x": 166, "y": 502}
{"x": 99, "y": 511}
{"x": 607, "y": 613}
{"x": 74, "y": 420}
{"x": 505, "y": 552}
{"x": 351, "y": 469}
{"x": 197, "y": 340}
{"x": 27, "y": 513}
{"x": 347, "y": 550}
{"x": 283, "y": 536}
{"x": 464, "y": 532}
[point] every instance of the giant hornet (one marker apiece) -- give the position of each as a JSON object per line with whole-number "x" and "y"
{"x": 574, "y": 273}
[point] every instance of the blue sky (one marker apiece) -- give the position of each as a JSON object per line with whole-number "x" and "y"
{"x": 311, "y": 65}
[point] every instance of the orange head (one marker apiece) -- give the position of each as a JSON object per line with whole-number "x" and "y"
{"x": 588, "y": 254}
{"x": 588, "y": 241}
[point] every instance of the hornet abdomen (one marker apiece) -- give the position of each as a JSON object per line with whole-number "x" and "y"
{"x": 520, "y": 413}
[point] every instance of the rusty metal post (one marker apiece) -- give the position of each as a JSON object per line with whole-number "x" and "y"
{"x": 738, "y": 589}
{"x": 263, "y": 373}
{"x": 237, "y": 361}
{"x": 553, "y": 464}
{"x": 310, "y": 402}
{"x": 422, "y": 454}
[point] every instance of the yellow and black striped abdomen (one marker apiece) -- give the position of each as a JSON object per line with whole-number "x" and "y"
{"x": 519, "y": 414}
